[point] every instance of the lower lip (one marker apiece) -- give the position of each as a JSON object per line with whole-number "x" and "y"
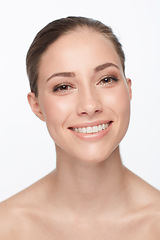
{"x": 92, "y": 136}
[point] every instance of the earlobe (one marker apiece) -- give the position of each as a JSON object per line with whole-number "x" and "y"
{"x": 33, "y": 102}
{"x": 129, "y": 83}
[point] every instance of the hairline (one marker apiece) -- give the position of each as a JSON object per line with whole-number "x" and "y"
{"x": 69, "y": 31}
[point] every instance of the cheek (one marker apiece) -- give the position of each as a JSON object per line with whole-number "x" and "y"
{"x": 56, "y": 110}
{"x": 122, "y": 106}
{"x": 123, "y": 102}
{"x": 118, "y": 101}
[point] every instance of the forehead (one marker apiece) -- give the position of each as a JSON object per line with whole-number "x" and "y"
{"x": 79, "y": 49}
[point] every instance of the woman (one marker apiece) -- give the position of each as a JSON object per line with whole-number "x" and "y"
{"x": 76, "y": 68}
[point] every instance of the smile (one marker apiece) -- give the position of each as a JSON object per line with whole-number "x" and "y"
{"x": 91, "y": 131}
{"x": 94, "y": 129}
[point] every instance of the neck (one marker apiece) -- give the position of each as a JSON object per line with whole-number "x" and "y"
{"x": 87, "y": 188}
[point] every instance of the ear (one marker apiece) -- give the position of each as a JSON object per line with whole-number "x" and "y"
{"x": 33, "y": 102}
{"x": 129, "y": 83}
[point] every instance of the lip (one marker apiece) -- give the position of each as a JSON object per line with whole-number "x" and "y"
{"x": 92, "y": 136}
{"x": 90, "y": 124}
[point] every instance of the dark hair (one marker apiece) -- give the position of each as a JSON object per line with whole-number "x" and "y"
{"x": 51, "y": 32}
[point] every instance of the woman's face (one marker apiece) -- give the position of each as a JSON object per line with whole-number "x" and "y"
{"x": 84, "y": 97}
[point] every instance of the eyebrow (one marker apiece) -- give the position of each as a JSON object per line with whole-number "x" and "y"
{"x": 61, "y": 74}
{"x": 72, "y": 74}
{"x": 104, "y": 66}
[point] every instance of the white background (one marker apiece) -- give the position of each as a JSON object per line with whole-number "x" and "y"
{"x": 26, "y": 150}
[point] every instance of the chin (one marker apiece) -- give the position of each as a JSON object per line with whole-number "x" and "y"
{"x": 95, "y": 156}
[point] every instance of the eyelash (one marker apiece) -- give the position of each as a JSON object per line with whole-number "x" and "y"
{"x": 57, "y": 88}
{"x": 111, "y": 78}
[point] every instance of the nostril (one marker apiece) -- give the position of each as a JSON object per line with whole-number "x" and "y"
{"x": 97, "y": 111}
{"x": 83, "y": 113}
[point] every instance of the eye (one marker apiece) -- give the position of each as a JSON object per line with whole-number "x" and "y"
{"x": 62, "y": 88}
{"x": 108, "y": 80}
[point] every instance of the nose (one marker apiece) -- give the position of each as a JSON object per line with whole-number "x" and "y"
{"x": 89, "y": 104}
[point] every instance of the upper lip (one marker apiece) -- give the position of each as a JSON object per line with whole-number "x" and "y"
{"x": 90, "y": 124}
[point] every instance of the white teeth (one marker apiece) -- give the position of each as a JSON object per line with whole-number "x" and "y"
{"x": 79, "y": 130}
{"x": 89, "y": 129}
{"x": 84, "y": 130}
{"x": 93, "y": 129}
{"x": 99, "y": 127}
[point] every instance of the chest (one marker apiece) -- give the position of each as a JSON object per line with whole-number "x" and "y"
{"x": 100, "y": 231}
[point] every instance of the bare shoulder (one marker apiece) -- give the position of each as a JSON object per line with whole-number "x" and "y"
{"x": 153, "y": 220}
{"x": 155, "y": 213}
{"x": 146, "y": 202}
{"x": 5, "y": 230}
{"x": 141, "y": 190}
{"x": 9, "y": 220}
{"x": 18, "y": 213}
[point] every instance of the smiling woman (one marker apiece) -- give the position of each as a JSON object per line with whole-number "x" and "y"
{"x": 76, "y": 69}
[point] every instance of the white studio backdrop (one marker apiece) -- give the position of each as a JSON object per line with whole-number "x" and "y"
{"x": 26, "y": 150}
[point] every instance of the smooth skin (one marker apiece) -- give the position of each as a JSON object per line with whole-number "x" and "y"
{"x": 90, "y": 195}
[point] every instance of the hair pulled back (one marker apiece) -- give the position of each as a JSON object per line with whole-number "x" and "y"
{"x": 55, "y": 29}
